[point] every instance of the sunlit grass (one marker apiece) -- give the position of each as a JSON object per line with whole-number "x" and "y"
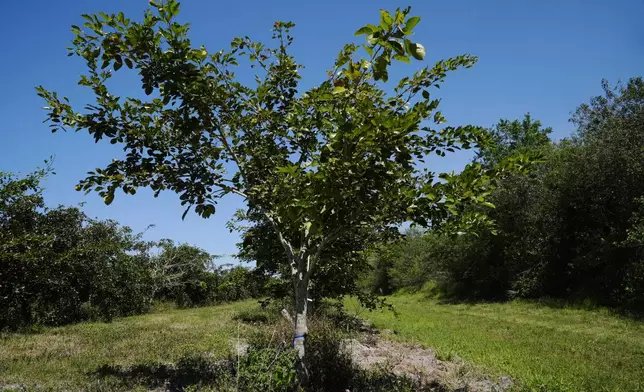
{"x": 64, "y": 358}
{"x": 548, "y": 349}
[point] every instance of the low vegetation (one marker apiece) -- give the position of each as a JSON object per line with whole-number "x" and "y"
{"x": 541, "y": 346}
{"x": 546, "y": 346}
{"x": 64, "y": 358}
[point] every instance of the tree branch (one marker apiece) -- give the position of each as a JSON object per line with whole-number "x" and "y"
{"x": 285, "y": 244}
{"x": 327, "y": 240}
{"x": 231, "y": 189}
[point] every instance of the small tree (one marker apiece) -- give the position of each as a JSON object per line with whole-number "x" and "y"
{"x": 184, "y": 273}
{"x": 316, "y": 164}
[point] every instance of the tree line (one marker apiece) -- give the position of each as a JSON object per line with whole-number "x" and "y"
{"x": 59, "y": 266}
{"x": 573, "y": 228}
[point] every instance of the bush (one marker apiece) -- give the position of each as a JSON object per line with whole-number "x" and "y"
{"x": 58, "y": 266}
{"x": 239, "y": 283}
{"x": 461, "y": 266}
{"x": 268, "y": 369}
{"x": 330, "y": 366}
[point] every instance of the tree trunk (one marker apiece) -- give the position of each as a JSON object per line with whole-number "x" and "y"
{"x": 300, "y": 327}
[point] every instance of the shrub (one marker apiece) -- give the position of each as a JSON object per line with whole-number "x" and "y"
{"x": 58, "y": 266}
{"x": 268, "y": 369}
{"x": 571, "y": 229}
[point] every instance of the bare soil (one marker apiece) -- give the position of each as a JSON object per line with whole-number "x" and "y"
{"x": 422, "y": 364}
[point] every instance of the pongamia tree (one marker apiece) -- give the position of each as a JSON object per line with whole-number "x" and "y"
{"x": 317, "y": 164}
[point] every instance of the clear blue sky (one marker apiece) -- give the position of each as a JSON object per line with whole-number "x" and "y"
{"x": 545, "y": 57}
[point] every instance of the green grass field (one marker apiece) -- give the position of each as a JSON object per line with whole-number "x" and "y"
{"x": 64, "y": 358}
{"x": 548, "y": 349}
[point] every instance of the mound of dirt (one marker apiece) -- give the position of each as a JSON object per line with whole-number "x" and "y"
{"x": 422, "y": 364}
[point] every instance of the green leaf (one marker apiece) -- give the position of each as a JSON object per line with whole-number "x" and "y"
{"x": 380, "y": 69}
{"x": 409, "y": 46}
{"x": 411, "y": 23}
{"x": 398, "y": 47}
{"x": 418, "y": 51}
{"x": 339, "y": 90}
{"x": 365, "y": 30}
{"x": 404, "y": 59}
{"x": 208, "y": 211}
{"x": 108, "y": 198}
{"x": 287, "y": 169}
{"x": 385, "y": 20}
{"x": 398, "y": 33}
{"x": 373, "y": 38}
{"x": 117, "y": 66}
{"x": 307, "y": 228}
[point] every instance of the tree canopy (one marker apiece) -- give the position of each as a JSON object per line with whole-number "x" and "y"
{"x": 512, "y": 138}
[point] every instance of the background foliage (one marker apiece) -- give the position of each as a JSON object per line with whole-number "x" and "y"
{"x": 59, "y": 266}
{"x": 571, "y": 229}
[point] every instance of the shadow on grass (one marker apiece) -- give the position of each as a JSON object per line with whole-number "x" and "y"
{"x": 589, "y": 305}
{"x": 188, "y": 371}
{"x": 453, "y": 295}
{"x": 268, "y": 365}
{"x": 202, "y": 374}
{"x": 255, "y": 316}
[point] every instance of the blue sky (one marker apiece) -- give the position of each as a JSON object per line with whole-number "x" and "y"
{"x": 544, "y": 57}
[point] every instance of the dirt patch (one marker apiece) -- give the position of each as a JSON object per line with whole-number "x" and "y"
{"x": 422, "y": 364}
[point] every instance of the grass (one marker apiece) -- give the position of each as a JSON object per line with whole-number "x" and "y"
{"x": 64, "y": 358}
{"x": 548, "y": 349}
